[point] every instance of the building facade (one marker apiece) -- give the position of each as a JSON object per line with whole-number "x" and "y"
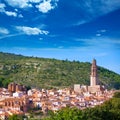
{"x": 94, "y": 75}
{"x": 94, "y": 82}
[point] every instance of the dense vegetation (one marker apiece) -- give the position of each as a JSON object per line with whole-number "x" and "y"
{"x": 49, "y": 73}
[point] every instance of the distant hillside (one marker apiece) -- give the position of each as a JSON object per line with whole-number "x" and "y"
{"x": 49, "y": 73}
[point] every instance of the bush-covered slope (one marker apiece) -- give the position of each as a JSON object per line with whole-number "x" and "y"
{"x": 43, "y": 72}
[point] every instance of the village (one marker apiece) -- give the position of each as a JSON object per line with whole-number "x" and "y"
{"x": 16, "y": 99}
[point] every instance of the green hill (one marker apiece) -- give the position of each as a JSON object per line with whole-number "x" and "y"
{"x": 49, "y": 73}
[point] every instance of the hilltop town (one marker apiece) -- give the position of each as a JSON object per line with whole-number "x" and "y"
{"x": 16, "y": 99}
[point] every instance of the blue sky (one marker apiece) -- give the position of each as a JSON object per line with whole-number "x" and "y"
{"x": 63, "y": 29}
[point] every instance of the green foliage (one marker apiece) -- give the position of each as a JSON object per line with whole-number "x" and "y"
{"x": 116, "y": 95}
{"x": 4, "y": 82}
{"x": 50, "y": 73}
{"x": 66, "y": 114}
{"x": 16, "y": 117}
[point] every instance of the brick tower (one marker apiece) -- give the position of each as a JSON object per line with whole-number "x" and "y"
{"x": 93, "y": 76}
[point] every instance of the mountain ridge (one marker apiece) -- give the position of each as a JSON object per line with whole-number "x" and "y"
{"x": 51, "y": 73}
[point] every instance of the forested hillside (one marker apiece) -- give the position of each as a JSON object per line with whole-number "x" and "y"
{"x": 50, "y": 73}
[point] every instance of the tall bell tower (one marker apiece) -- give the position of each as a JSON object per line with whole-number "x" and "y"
{"x": 93, "y": 76}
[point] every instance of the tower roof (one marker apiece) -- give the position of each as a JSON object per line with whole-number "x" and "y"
{"x": 94, "y": 62}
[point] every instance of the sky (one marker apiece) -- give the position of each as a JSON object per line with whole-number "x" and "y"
{"x": 63, "y": 29}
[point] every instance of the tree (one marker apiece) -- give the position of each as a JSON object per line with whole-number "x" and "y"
{"x": 15, "y": 117}
{"x": 116, "y": 95}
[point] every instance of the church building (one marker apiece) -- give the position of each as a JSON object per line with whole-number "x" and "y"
{"x": 94, "y": 82}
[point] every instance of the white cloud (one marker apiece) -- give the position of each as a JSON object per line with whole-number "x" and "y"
{"x": 20, "y": 16}
{"x": 9, "y": 35}
{"x": 117, "y": 42}
{"x": 9, "y": 13}
{"x": 4, "y": 31}
{"x": 102, "y": 31}
{"x": 19, "y": 3}
{"x": 98, "y": 35}
{"x": 97, "y": 42}
{"x": 31, "y": 31}
{"x": 45, "y": 6}
{"x": 41, "y": 39}
{"x": 79, "y": 23}
{"x": 16, "y": 10}
{"x": 2, "y": 7}
{"x": 35, "y": 1}
{"x": 109, "y": 5}
{"x": 100, "y": 7}
{"x": 93, "y": 9}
